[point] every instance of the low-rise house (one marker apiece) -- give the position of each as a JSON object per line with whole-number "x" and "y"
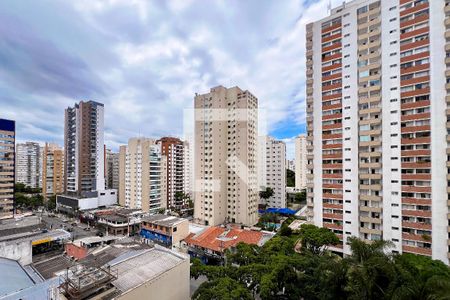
{"x": 210, "y": 244}
{"x": 165, "y": 230}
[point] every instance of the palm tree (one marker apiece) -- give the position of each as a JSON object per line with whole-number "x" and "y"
{"x": 371, "y": 271}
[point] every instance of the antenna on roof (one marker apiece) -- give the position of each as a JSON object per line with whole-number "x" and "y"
{"x": 329, "y": 7}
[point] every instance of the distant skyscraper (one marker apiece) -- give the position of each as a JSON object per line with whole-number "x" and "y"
{"x": 174, "y": 151}
{"x": 84, "y": 148}
{"x": 226, "y": 183}
{"x": 28, "y": 164}
{"x": 7, "y": 163}
{"x": 112, "y": 169}
{"x": 188, "y": 169}
{"x": 290, "y": 164}
{"x": 142, "y": 175}
{"x": 272, "y": 170}
{"x": 52, "y": 170}
{"x": 300, "y": 162}
{"x": 378, "y": 106}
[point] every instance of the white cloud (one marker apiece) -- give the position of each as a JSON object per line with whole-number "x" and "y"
{"x": 153, "y": 56}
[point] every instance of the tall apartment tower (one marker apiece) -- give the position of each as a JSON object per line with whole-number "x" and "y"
{"x": 377, "y": 107}
{"x": 52, "y": 170}
{"x": 272, "y": 170}
{"x": 7, "y": 163}
{"x": 112, "y": 170}
{"x": 141, "y": 172}
{"x": 188, "y": 169}
{"x": 173, "y": 149}
{"x": 300, "y": 161}
{"x": 226, "y": 179}
{"x": 84, "y": 148}
{"x": 28, "y": 164}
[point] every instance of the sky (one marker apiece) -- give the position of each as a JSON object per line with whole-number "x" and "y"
{"x": 145, "y": 60}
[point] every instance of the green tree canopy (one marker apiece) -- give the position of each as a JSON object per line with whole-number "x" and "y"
{"x": 277, "y": 271}
{"x": 316, "y": 239}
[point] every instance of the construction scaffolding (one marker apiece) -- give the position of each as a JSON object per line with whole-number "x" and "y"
{"x": 80, "y": 282}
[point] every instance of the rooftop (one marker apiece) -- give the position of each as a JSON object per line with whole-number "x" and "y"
{"x": 221, "y": 238}
{"x": 17, "y": 278}
{"x": 37, "y": 237}
{"x": 144, "y": 266}
{"x": 163, "y": 220}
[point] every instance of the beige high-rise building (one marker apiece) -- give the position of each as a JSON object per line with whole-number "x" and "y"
{"x": 142, "y": 173}
{"x": 7, "y": 163}
{"x": 52, "y": 170}
{"x": 226, "y": 180}
{"x": 300, "y": 162}
{"x": 111, "y": 169}
{"x": 174, "y": 151}
{"x": 378, "y": 106}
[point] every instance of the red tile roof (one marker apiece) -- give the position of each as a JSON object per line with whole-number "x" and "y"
{"x": 211, "y": 238}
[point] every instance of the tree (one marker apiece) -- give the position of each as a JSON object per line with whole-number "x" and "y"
{"x": 267, "y": 193}
{"x": 419, "y": 277}
{"x": 285, "y": 230}
{"x": 222, "y": 289}
{"x": 51, "y": 203}
{"x": 301, "y": 196}
{"x": 290, "y": 178}
{"x": 277, "y": 271}
{"x": 316, "y": 239}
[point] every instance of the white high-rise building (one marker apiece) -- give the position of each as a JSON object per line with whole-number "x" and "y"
{"x": 226, "y": 180}
{"x": 29, "y": 164}
{"x": 290, "y": 164}
{"x": 378, "y": 97}
{"x": 142, "y": 174}
{"x": 300, "y": 162}
{"x": 84, "y": 148}
{"x": 272, "y": 170}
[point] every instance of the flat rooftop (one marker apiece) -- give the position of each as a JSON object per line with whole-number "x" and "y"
{"x": 163, "y": 220}
{"x": 37, "y": 237}
{"x": 16, "y": 279}
{"x": 144, "y": 266}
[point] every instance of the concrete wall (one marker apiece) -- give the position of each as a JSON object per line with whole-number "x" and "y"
{"x": 20, "y": 251}
{"x": 172, "y": 285}
{"x": 181, "y": 233}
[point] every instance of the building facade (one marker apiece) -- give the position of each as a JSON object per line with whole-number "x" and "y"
{"x": 173, "y": 149}
{"x": 28, "y": 164}
{"x": 272, "y": 170}
{"x": 226, "y": 179}
{"x": 290, "y": 164}
{"x": 377, "y": 104}
{"x": 84, "y": 148}
{"x": 300, "y": 162}
{"x": 141, "y": 179}
{"x": 112, "y": 170}
{"x": 167, "y": 231}
{"x": 52, "y": 170}
{"x": 7, "y": 165}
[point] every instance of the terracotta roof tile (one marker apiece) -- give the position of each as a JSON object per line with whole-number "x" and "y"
{"x": 219, "y": 238}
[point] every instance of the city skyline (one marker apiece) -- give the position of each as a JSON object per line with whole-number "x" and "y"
{"x": 147, "y": 70}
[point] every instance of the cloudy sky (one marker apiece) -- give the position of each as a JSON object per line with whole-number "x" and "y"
{"x": 145, "y": 60}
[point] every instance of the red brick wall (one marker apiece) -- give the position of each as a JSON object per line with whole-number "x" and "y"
{"x": 75, "y": 251}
